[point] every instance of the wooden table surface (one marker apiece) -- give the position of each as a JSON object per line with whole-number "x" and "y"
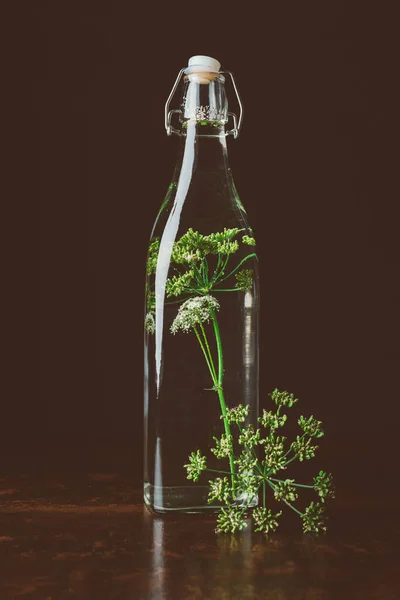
{"x": 82, "y": 532}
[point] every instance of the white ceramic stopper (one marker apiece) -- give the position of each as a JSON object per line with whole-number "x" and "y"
{"x": 202, "y": 64}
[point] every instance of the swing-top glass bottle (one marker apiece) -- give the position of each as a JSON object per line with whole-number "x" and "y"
{"x": 202, "y": 298}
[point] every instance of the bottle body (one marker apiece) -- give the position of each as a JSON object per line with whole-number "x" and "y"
{"x": 201, "y": 321}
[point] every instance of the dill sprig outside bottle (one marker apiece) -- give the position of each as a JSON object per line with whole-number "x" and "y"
{"x": 202, "y": 302}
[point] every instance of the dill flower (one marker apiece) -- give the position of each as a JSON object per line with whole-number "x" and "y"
{"x": 193, "y": 311}
{"x": 249, "y": 241}
{"x": 265, "y": 519}
{"x": 149, "y": 323}
{"x": 244, "y": 280}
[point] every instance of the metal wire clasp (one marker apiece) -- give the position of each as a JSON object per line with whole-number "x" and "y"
{"x": 168, "y": 113}
{"x": 237, "y": 123}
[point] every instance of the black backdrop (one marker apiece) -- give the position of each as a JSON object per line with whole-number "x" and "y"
{"x": 315, "y": 166}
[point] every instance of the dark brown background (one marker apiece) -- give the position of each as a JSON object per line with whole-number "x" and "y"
{"x": 315, "y": 166}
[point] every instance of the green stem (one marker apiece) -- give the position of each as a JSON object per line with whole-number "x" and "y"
{"x": 258, "y": 467}
{"x": 271, "y": 485}
{"x": 293, "y": 508}
{"x": 220, "y": 274}
{"x": 253, "y": 255}
{"x": 290, "y": 449}
{"x": 205, "y": 270}
{"x": 252, "y": 451}
{"x": 225, "y": 263}
{"x": 231, "y": 290}
{"x": 220, "y": 390}
{"x": 198, "y": 275}
{"x": 264, "y": 494}
{"x": 210, "y": 368}
{"x": 217, "y": 471}
{"x": 291, "y": 460}
{"x": 178, "y": 301}
{"x": 215, "y": 274}
{"x": 208, "y": 350}
{"x": 310, "y": 487}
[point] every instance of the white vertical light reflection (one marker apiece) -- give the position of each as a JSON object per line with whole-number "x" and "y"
{"x": 248, "y": 355}
{"x": 146, "y": 412}
{"x": 168, "y": 239}
{"x": 158, "y": 482}
{"x": 248, "y": 300}
{"x": 248, "y": 367}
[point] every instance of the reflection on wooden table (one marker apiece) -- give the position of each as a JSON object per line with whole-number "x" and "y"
{"x": 87, "y": 535}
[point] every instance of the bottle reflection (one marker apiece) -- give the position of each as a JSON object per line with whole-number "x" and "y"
{"x": 156, "y": 583}
{"x": 233, "y": 570}
{"x": 186, "y": 559}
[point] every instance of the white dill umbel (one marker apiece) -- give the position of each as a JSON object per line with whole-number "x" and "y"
{"x": 149, "y": 323}
{"x": 193, "y": 311}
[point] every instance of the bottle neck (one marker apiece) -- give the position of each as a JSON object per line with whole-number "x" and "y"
{"x": 207, "y": 144}
{"x": 203, "y": 118}
{"x": 203, "y": 161}
{"x": 204, "y": 103}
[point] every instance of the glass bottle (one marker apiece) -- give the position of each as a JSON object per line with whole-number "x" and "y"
{"x": 202, "y": 301}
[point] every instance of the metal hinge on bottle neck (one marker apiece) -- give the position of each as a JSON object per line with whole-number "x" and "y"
{"x": 237, "y": 123}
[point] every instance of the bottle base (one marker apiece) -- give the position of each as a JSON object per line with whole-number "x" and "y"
{"x": 183, "y": 499}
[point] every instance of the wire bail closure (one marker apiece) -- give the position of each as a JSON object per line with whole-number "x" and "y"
{"x": 237, "y": 123}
